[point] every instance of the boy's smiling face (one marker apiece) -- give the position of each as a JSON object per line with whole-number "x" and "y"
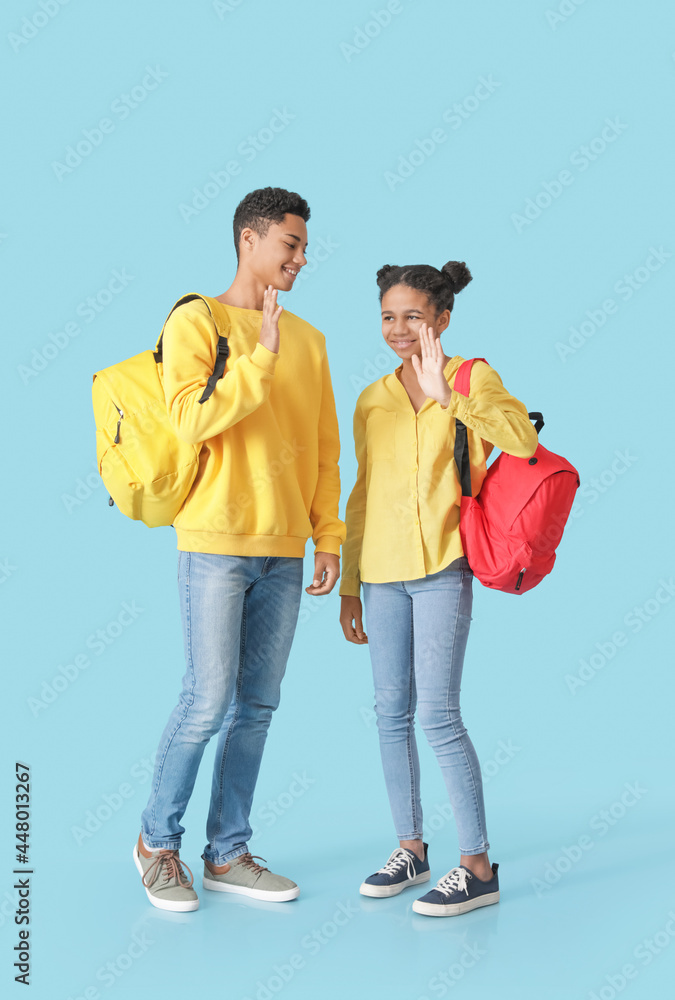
{"x": 277, "y": 257}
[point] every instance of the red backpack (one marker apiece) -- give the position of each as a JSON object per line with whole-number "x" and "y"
{"x": 510, "y": 531}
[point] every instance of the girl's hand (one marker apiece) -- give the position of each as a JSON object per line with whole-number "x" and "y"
{"x": 429, "y": 369}
{"x": 350, "y": 611}
{"x": 269, "y": 331}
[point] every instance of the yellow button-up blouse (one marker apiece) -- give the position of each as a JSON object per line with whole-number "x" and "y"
{"x": 403, "y": 513}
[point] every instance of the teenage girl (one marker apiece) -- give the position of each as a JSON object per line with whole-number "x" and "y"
{"x": 404, "y": 547}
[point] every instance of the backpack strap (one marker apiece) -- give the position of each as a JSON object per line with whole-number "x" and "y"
{"x": 463, "y": 376}
{"x": 461, "y": 385}
{"x": 223, "y": 349}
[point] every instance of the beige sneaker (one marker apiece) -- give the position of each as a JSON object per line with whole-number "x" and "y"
{"x": 163, "y": 878}
{"x": 248, "y": 878}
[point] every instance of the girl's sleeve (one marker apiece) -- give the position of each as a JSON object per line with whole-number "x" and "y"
{"x": 495, "y": 414}
{"x": 355, "y": 515}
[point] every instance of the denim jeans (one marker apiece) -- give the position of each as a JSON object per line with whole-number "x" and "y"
{"x": 417, "y": 635}
{"x": 239, "y": 615}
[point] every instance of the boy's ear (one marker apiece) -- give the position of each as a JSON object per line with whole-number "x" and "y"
{"x": 247, "y": 239}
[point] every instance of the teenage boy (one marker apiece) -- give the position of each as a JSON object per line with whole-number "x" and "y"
{"x": 268, "y": 479}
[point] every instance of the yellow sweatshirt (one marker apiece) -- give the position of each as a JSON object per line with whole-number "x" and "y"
{"x": 268, "y": 474}
{"x": 403, "y": 512}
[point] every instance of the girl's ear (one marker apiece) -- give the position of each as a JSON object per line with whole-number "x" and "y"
{"x": 442, "y": 321}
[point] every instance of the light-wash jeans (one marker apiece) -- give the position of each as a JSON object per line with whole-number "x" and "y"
{"x": 417, "y": 635}
{"x": 239, "y": 615}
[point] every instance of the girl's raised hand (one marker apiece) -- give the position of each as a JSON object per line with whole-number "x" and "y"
{"x": 269, "y": 331}
{"x": 429, "y": 368}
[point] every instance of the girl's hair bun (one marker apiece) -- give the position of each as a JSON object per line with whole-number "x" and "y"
{"x": 384, "y": 271}
{"x": 457, "y": 273}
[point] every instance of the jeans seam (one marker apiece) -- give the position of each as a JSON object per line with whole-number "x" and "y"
{"x": 187, "y": 706}
{"x": 411, "y": 723}
{"x": 447, "y": 708}
{"x": 226, "y": 745}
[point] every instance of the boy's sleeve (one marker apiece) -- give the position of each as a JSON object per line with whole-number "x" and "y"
{"x": 328, "y": 530}
{"x": 355, "y": 515}
{"x": 190, "y": 345}
{"x": 495, "y": 414}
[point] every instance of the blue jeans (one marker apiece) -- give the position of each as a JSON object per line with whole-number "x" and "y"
{"x": 239, "y": 615}
{"x": 417, "y": 635}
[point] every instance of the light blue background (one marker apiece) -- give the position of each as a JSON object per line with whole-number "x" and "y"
{"x": 69, "y": 567}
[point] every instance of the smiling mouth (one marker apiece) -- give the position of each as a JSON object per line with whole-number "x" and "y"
{"x": 289, "y": 270}
{"x": 402, "y": 343}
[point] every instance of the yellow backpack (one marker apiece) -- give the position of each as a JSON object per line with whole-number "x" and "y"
{"x": 147, "y": 470}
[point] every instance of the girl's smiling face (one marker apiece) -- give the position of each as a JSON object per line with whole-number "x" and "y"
{"x": 404, "y": 309}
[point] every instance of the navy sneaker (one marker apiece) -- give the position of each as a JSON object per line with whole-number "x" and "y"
{"x": 402, "y": 869}
{"x": 458, "y": 891}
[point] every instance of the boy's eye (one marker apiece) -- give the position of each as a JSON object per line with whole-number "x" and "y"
{"x": 291, "y": 245}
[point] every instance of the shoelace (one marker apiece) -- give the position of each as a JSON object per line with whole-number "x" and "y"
{"x": 398, "y": 858}
{"x": 456, "y": 879}
{"x": 247, "y": 861}
{"x": 168, "y": 864}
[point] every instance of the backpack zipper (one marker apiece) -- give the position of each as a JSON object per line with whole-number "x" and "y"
{"x": 116, "y": 439}
{"x": 520, "y": 579}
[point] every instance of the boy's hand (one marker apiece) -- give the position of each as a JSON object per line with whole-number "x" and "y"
{"x": 350, "y": 611}
{"x": 269, "y": 331}
{"x": 429, "y": 369}
{"x": 326, "y": 573}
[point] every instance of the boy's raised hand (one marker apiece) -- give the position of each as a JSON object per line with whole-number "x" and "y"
{"x": 429, "y": 369}
{"x": 269, "y": 331}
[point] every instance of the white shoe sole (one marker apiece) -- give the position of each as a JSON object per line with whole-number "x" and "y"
{"x": 242, "y": 890}
{"x": 452, "y": 909}
{"x": 165, "y": 904}
{"x": 380, "y": 891}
